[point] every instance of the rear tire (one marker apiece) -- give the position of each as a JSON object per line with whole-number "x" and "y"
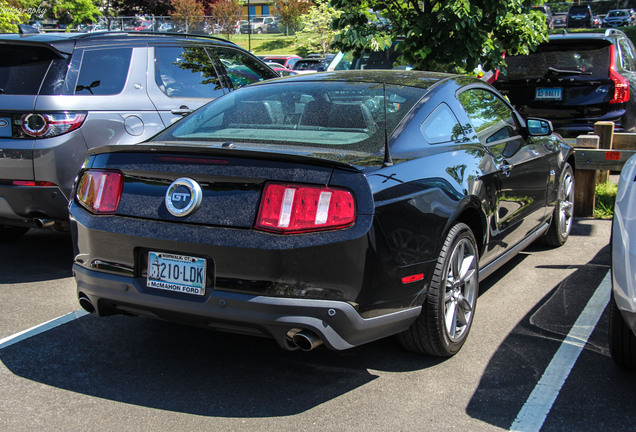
{"x": 622, "y": 342}
{"x": 11, "y": 233}
{"x": 449, "y": 307}
{"x": 563, "y": 214}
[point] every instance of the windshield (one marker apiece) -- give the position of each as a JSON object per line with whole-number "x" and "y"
{"x": 617, "y": 13}
{"x": 338, "y": 116}
{"x": 577, "y": 57}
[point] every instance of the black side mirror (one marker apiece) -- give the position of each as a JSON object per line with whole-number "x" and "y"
{"x": 539, "y": 127}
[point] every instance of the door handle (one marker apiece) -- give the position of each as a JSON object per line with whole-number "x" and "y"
{"x": 183, "y": 110}
{"x": 505, "y": 168}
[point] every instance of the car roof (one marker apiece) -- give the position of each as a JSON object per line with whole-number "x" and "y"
{"x": 411, "y": 78}
{"x": 53, "y": 37}
{"x": 609, "y": 35}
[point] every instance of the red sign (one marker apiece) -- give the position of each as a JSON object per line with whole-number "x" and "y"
{"x": 613, "y": 155}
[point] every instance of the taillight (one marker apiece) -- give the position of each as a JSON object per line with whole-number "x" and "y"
{"x": 46, "y": 125}
{"x": 293, "y": 208}
{"x": 621, "y": 84}
{"x": 100, "y": 191}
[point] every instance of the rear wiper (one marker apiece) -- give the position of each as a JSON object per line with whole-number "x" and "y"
{"x": 556, "y": 71}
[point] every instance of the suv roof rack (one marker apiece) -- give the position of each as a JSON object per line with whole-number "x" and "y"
{"x": 150, "y": 33}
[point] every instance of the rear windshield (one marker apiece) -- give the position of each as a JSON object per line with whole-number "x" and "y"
{"x": 579, "y": 58}
{"x": 341, "y": 117}
{"x": 579, "y": 10}
{"x": 22, "y": 68}
{"x": 308, "y": 64}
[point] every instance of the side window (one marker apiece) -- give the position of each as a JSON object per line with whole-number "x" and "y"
{"x": 627, "y": 55}
{"x": 103, "y": 71}
{"x": 186, "y": 72}
{"x": 242, "y": 69}
{"x": 440, "y": 126}
{"x": 490, "y": 116}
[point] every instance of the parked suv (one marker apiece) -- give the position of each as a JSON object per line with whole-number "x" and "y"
{"x": 62, "y": 94}
{"x": 580, "y": 16}
{"x": 575, "y": 80}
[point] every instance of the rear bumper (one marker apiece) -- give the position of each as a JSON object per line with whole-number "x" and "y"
{"x": 573, "y": 126}
{"x": 22, "y": 205}
{"x": 336, "y": 323}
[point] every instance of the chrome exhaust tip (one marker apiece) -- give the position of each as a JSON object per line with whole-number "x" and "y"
{"x": 306, "y": 340}
{"x": 86, "y": 304}
{"x": 43, "y": 223}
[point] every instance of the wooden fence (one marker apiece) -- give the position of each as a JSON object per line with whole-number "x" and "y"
{"x": 595, "y": 156}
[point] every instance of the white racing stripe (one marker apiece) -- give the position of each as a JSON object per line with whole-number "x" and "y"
{"x": 41, "y": 328}
{"x": 540, "y": 402}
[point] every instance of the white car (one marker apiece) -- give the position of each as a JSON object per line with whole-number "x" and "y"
{"x": 622, "y": 310}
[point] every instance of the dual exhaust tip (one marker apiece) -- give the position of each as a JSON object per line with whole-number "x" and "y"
{"x": 304, "y": 340}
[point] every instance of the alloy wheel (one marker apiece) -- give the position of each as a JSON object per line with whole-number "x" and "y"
{"x": 566, "y": 203}
{"x": 461, "y": 289}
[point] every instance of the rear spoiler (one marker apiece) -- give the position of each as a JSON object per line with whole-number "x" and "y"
{"x": 315, "y": 157}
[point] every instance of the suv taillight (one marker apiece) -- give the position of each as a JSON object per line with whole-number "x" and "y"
{"x": 99, "y": 191}
{"x": 294, "y": 208}
{"x": 621, "y": 84}
{"x": 46, "y": 125}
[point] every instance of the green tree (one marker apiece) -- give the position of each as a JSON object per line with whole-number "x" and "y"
{"x": 75, "y": 12}
{"x": 187, "y": 13}
{"x": 10, "y": 17}
{"x": 442, "y": 35}
{"x": 226, "y": 13}
{"x": 317, "y": 34}
{"x": 290, "y": 13}
{"x": 128, "y": 8}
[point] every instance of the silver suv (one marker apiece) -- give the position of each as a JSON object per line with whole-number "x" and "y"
{"x": 62, "y": 94}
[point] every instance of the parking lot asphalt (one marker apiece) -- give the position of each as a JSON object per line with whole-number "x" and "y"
{"x": 123, "y": 373}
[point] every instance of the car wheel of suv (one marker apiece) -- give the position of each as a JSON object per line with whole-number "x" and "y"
{"x": 10, "y": 233}
{"x": 562, "y": 217}
{"x": 447, "y": 313}
{"x": 622, "y": 342}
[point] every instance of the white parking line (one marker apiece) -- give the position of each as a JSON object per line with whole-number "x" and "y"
{"x": 540, "y": 402}
{"x": 41, "y": 328}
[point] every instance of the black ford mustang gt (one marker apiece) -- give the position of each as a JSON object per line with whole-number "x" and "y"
{"x": 334, "y": 208}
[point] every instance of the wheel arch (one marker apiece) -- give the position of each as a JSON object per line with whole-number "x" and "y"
{"x": 476, "y": 221}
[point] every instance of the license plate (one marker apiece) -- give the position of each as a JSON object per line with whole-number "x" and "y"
{"x": 549, "y": 93}
{"x": 180, "y": 273}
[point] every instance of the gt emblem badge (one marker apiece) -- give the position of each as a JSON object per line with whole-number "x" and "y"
{"x": 183, "y": 197}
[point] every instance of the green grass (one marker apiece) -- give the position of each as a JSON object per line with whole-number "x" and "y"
{"x": 605, "y": 200}
{"x": 269, "y": 44}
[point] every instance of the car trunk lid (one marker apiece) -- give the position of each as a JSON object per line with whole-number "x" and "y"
{"x": 231, "y": 181}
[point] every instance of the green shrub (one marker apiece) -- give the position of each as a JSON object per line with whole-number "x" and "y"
{"x": 605, "y": 200}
